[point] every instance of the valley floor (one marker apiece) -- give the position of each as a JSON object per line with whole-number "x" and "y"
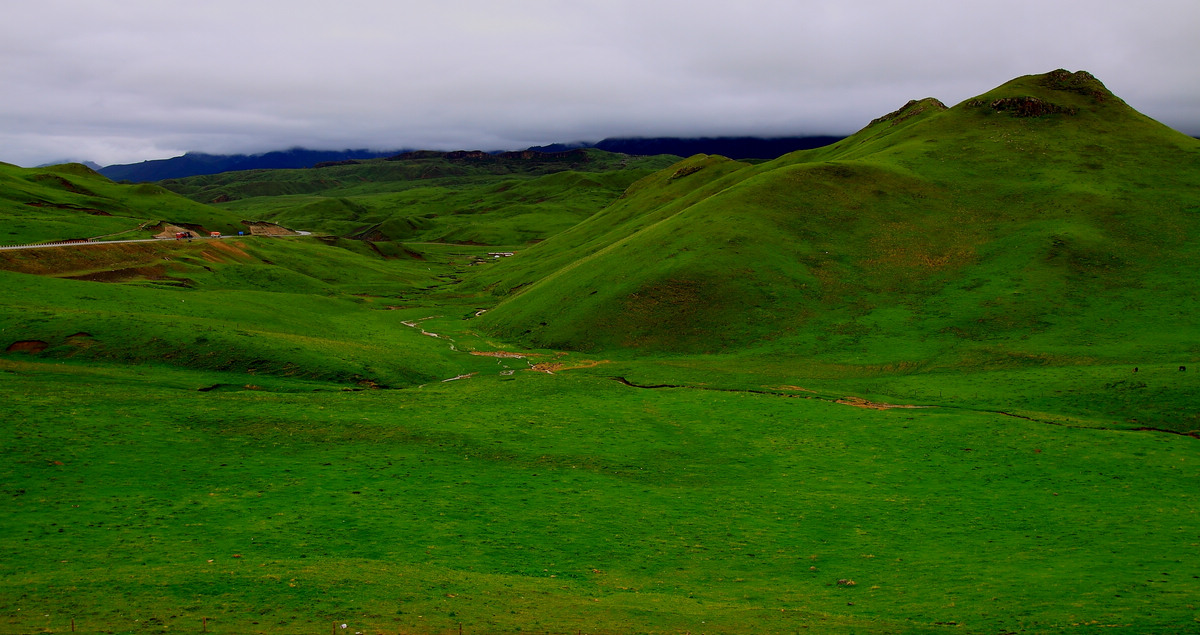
{"x": 148, "y": 499}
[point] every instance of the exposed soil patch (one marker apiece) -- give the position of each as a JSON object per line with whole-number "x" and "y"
{"x": 1193, "y": 434}
{"x": 503, "y": 354}
{"x": 228, "y": 387}
{"x": 552, "y": 367}
{"x": 911, "y": 109}
{"x": 633, "y": 385}
{"x": 50, "y": 262}
{"x": 859, "y": 402}
{"x": 55, "y": 180}
{"x": 218, "y": 251}
{"x": 81, "y": 340}
{"x": 76, "y": 208}
{"x": 150, "y": 272}
{"x": 1081, "y": 82}
{"x": 263, "y": 228}
{"x": 1028, "y": 107}
{"x": 28, "y": 346}
{"x": 167, "y": 230}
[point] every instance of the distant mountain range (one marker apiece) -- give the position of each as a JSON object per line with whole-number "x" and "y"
{"x": 197, "y": 163}
{"x": 90, "y": 164}
{"x": 731, "y": 147}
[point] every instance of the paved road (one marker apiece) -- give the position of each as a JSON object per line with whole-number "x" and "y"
{"x": 83, "y": 243}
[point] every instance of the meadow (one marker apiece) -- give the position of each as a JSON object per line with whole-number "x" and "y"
{"x": 939, "y": 377}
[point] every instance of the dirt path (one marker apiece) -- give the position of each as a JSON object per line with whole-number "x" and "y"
{"x": 859, "y": 402}
{"x": 499, "y": 355}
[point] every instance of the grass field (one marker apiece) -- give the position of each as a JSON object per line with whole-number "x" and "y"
{"x": 554, "y": 503}
{"x": 940, "y": 377}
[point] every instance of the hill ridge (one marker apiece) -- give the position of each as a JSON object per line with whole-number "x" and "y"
{"x": 892, "y": 215}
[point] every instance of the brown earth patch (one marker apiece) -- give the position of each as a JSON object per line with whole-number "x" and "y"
{"x": 167, "y": 230}
{"x": 504, "y": 354}
{"x": 81, "y": 340}
{"x": 66, "y": 260}
{"x": 791, "y": 388}
{"x": 76, "y": 208}
{"x": 859, "y": 402}
{"x": 219, "y": 251}
{"x": 1029, "y": 107}
{"x": 263, "y": 228}
{"x": 150, "y": 272}
{"x": 28, "y": 346}
{"x": 553, "y": 367}
{"x": 55, "y": 180}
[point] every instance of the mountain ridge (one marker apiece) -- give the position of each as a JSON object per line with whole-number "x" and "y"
{"x": 1045, "y": 186}
{"x": 201, "y": 164}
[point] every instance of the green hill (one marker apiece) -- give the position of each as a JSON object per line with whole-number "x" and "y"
{"x": 1045, "y": 217}
{"x": 463, "y": 197}
{"x": 73, "y": 201}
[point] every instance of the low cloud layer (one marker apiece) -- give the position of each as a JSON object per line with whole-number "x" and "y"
{"x": 118, "y": 82}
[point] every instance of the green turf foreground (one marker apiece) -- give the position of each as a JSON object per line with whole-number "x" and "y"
{"x": 136, "y": 503}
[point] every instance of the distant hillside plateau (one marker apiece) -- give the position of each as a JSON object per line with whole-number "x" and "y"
{"x": 731, "y": 147}
{"x": 198, "y": 163}
{"x": 194, "y": 163}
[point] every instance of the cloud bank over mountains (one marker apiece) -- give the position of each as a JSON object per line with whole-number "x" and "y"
{"x": 127, "y": 81}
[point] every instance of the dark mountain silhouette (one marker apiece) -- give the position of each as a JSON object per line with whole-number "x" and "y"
{"x": 732, "y": 147}
{"x": 197, "y": 163}
{"x": 91, "y": 164}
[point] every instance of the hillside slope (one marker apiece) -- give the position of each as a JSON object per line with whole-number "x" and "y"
{"x": 476, "y": 197}
{"x": 72, "y": 201}
{"x": 1045, "y": 217}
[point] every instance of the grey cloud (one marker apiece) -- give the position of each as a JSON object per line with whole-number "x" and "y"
{"x": 139, "y": 79}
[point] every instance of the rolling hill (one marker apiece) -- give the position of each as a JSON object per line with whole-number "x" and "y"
{"x": 72, "y": 201}
{"x": 1045, "y": 217}
{"x": 497, "y": 199}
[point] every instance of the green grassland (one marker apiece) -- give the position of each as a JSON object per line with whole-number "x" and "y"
{"x": 932, "y": 233}
{"x": 925, "y": 380}
{"x": 430, "y": 196}
{"x": 71, "y": 202}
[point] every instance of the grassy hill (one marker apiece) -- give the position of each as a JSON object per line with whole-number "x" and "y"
{"x": 301, "y": 307}
{"x": 938, "y": 376}
{"x": 73, "y": 201}
{"x": 1045, "y": 217}
{"x": 509, "y": 199}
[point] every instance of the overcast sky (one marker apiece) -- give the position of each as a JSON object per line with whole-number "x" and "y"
{"x": 119, "y": 81}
